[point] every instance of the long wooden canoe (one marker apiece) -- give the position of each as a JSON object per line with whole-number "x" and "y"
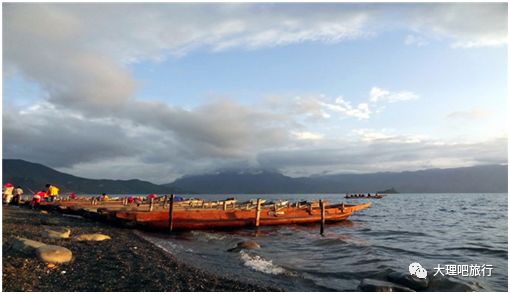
{"x": 196, "y": 219}
{"x": 188, "y": 215}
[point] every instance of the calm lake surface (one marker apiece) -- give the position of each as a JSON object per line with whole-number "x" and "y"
{"x": 397, "y": 230}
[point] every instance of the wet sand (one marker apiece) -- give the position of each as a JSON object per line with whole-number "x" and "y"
{"x": 124, "y": 263}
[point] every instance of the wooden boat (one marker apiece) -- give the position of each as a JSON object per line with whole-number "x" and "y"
{"x": 200, "y": 214}
{"x": 197, "y": 219}
{"x": 378, "y": 196}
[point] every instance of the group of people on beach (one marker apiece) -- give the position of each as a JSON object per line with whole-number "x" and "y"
{"x": 11, "y": 195}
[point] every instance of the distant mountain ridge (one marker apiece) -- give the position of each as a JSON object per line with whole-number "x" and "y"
{"x": 35, "y": 176}
{"x": 477, "y": 179}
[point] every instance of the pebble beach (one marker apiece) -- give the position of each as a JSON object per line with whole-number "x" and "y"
{"x": 123, "y": 263}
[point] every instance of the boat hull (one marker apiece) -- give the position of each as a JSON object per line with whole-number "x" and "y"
{"x": 189, "y": 218}
{"x": 198, "y": 219}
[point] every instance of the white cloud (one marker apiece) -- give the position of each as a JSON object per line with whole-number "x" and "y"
{"x": 382, "y": 95}
{"x": 322, "y": 107}
{"x": 131, "y": 33}
{"x": 370, "y": 135}
{"x": 343, "y": 107}
{"x": 311, "y": 107}
{"x": 307, "y": 136}
{"x": 466, "y": 25}
{"x": 384, "y": 135}
{"x": 376, "y": 93}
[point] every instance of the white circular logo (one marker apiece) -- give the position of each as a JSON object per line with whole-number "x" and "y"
{"x": 421, "y": 273}
{"x": 417, "y": 270}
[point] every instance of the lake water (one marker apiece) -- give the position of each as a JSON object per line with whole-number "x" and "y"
{"x": 432, "y": 229}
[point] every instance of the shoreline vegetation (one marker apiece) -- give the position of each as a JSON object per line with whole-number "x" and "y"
{"x": 126, "y": 262}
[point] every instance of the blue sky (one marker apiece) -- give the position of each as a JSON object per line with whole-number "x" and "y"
{"x": 438, "y": 73}
{"x": 163, "y": 90}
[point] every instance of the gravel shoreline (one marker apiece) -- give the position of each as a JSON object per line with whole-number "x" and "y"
{"x": 124, "y": 263}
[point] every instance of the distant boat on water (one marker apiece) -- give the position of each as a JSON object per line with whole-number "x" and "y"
{"x": 376, "y": 196}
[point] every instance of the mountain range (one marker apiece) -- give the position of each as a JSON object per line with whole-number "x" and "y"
{"x": 477, "y": 179}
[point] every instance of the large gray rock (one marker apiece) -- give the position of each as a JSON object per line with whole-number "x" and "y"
{"x": 26, "y": 246}
{"x": 245, "y": 245}
{"x": 54, "y": 234}
{"x": 409, "y": 280}
{"x": 248, "y": 245}
{"x": 371, "y": 285}
{"x": 54, "y": 254}
{"x": 92, "y": 237}
{"x": 450, "y": 284}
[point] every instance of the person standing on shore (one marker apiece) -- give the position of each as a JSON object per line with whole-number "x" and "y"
{"x": 7, "y": 192}
{"x": 36, "y": 200}
{"x": 18, "y": 192}
{"x": 105, "y": 197}
{"x": 52, "y": 192}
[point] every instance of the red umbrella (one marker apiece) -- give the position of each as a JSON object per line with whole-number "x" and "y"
{"x": 152, "y": 196}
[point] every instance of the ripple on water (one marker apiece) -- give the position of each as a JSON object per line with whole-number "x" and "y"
{"x": 208, "y": 235}
{"x": 481, "y": 250}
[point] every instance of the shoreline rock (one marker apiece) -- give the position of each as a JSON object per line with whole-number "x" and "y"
{"x": 49, "y": 233}
{"x": 92, "y": 237}
{"x": 409, "y": 280}
{"x": 54, "y": 254}
{"x": 372, "y": 285}
{"x": 245, "y": 245}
